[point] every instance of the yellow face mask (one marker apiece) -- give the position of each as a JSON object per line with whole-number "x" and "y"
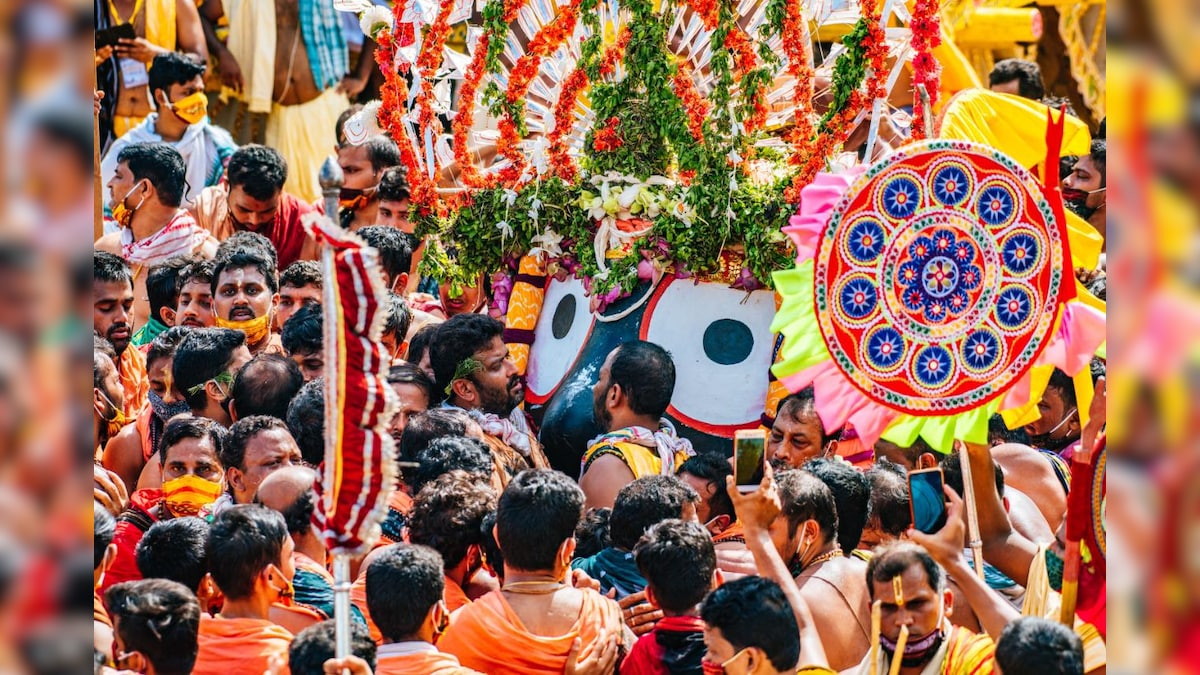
{"x": 255, "y": 329}
{"x": 192, "y": 109}
{"x": 188, "y": 494}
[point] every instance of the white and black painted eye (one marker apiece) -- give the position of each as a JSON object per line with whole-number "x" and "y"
{"x": 721, "y": 342}
{"x": 562, "y": 330}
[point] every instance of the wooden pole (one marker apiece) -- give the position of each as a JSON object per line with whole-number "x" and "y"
{"x": 975, "y": 540}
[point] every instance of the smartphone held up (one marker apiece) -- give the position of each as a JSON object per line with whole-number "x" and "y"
{"x": 927, "y": 500}
{"x": 749, "y": 451}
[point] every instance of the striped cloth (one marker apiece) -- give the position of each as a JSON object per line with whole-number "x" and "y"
{"x": 181, "y": 236}
{"x": 325, "y": 42}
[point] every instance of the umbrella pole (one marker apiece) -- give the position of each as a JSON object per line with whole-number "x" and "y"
{"x": 975, "y": 542}
{"x": 341, "y": 604}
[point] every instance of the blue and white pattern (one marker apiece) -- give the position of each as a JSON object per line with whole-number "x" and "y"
{"x": 1014, "y": 307}
{"x": 1020, "y": 253}
{"x": 865, "y": 241}
{"x": 901, "y": 197}
{"x": 996, "y": 205}
{"x": 859, "y": 298}
{"x": 951, "y": 185}
{"x": 885, "y": 348}
{"x": 933, "y": 366}
{"x": 981, "y": 350}
{"x": 940, "y": 270}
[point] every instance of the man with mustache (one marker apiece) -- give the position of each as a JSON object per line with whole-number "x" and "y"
{"x": 362, "y": 166}
{"x": 244, "y": 288}
{"x": 162, "y": 291}
{"x": 475, "y": 372}
{"x": 112, "y": 313}
{"x": 1085, "y": 189}
{"x": 193, "y": 306}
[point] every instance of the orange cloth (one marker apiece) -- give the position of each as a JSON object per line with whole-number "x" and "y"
{"x": 488, "y": 636}
{"x": 134, "y": 380}
{"x": 425, "y": 663}
{"x": 99, "y": 613}
{"x": 241, "y": 646}
{"x": 358, "y": 598}
{"x": 454, "y": 595}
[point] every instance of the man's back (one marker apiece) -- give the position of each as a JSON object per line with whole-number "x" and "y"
{"x": 241, "y": 646}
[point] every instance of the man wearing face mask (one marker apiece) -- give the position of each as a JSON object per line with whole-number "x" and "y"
{"x": 797, "y": 434}
{"x": 250, "y": 559}
{"x": 245, "y": 286}
{"x": 107, "y": 396}
{"x": 177, "y": 86}
{"x": 191, "y": 481}
{"x": 204, "y": 368}
{"x": 1059, "y": 425}
{"x": 1085, "y": 189}
{"x": 446, "y": 516}
{"x": 362, "y": 167}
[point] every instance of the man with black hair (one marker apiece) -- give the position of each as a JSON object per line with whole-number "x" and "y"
{"x": 191, "y": 481}
{"x": 1019, "y": 77}
{"x": 419, "y": 345}
{"x": 395, "y": 331}
{"x": 532, "y": 623}
{"x": 113, "y": 320}
{"x": 916, "y": 456}
{"x": 706, "y": 473}
{"x": 415, "y": 391}
{"x": 245, "y": 281}
{"x": 253, "y": 200}
{"x": 103, "y": 529}
{"x": 156, "y": 623}
{"x": 629, "y": 402}
{"x": 206, "y": 363}
{"x": 677, "y": 559}
{"x": 363, "y": 165}
{"x": 805, "y": 534}
{"x": 303, "y": 339}
{"x": 851, "y": 495}
{"x": 423, "y": 428}
{"x": 108, "y": 399}
{"x": 638, "y": 506}
{"x": 412, "y": 620}
{"x": 194, "y": 308}
{"x": 1035, "y": 646}
{"x": 250, "y": 559}
{"x": 317, "y": 644}
{"x": 797, "y": 434}
{"x": 446, "y": 516}
{"x": 475, "y": 372}
{"x": 1084, "y": 190}
{"x": 162, "y": 292}
{"x": 889, "y": 514}
{"x": 265, "y": 386}
{"x": 300, "y": 284}
{"x": 396, "y": 260}
{"x": 256, "y": 447}
{"x": 446, "y": 454}
{"x": 175, "y": 550}
{"x": 147, "y": 190}
{"x": 306, "y": 421}
{"x": 750, "y": 627}
{"x": 177, "y": 87}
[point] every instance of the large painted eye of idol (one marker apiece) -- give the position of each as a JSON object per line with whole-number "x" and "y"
{"x": 719, "y": 338}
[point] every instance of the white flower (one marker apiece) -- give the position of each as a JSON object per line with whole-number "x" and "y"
{"x": 734, "y": 157}
{"x": 628, "y": 195}
{"x": 375, "y": 19}
{"x": 548, "y": 243}
{"x": 505, "y": 229}
{"x": 510, "y": 197}
{"x": 684, "y": 213}
{"x": 733, "y": 184}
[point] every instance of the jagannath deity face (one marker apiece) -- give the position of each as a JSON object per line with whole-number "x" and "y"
{"x": 719, "y": 338}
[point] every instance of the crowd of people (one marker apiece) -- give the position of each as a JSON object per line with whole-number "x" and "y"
{"x": 208, "y": 427}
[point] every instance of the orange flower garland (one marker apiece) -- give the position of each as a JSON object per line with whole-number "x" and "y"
{"x": 926, "y": 35}
{"x": 708, "y": 10}
{"x": 694, "y": 105}
{"x": 798, "y": 48}
{"x": 607, "y": 138}
{"x": 393, "y": 98}
{"x": 561, "y": 163}
{"x": 740, "y": 46}
{"x": 465, "y": 119}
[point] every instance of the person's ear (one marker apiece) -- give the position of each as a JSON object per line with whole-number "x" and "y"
{"x": 566, "y": 551}
{"x": 1004, "y": 501}
{"x": 98, "y": 400}
{"x": 718, "y": 525}
{"x": 167, "y": 315}
{"x": 718, "y": 579}
{"x": 133, "y": 662}
{"x": 927, "y": 461}
{"x": 235, "y": 478}
{"x": 615, "y": 396}
{"x": 213, "y": 391}
{"x": 496, "y": 538}
{"x": 401, "y": 281}
{"x": 233, "y": 416}
{"x": 948, "y": 601}
{"x": 464, "y": 389}
{"x": 651, "y": 599}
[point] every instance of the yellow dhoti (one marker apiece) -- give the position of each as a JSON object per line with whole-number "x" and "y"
{"x": 304, "y": 134}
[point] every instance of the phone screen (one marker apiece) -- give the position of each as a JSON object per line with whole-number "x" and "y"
{"x": 748, "y": 449}
{"x": 928, "y": 500}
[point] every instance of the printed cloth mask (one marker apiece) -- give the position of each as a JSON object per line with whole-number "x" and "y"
{"x": 353, "y": 199}
{"x": 710, "y": 668}
{"x": 165, "y": 411}
{"x": 191, "y": 109}
{"x": 255, "y": 329}
{"x": 188, "y": 494}
{"x": 916, "y": 651}
{"x": 123, "y": 214}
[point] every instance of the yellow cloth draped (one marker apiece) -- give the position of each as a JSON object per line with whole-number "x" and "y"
{"x": 160, "y": 23}
{"x": 1042, "y": 601}
{"x": 962, "y": 653}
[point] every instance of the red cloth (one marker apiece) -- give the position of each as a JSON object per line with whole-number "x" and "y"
{"x": 291, "y": 242}
{"x": 646, "y": 657}
{"x": 128, "y": 534}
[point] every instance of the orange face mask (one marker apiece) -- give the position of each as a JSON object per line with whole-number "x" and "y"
{"x": 188, "y": 494}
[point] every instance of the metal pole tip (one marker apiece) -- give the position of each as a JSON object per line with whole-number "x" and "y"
{"x": 330, "y": 176}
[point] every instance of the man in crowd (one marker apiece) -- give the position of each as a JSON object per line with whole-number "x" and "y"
{"x": 303, "y": 339}
{"x": 300, "y": 284}
{"x": 797, "y": 434}
{"x": 362, "y": 166}
{"x": 916, "y": 456}
{"x": 705, "y": 473}
{"x": 639, "y": 505}
{"x": 1017, "y": 76}
{"x": 175, "y": 550}
{"x": 447, "y": 515}
{"x": 254, "y": 200}
{"x": 1059, "y": 425}
{"x": 532, "y": 623}
{"x": 112, "y": 319}
{"x": 256, "y": 447}
{"x": 306, "y": 421}
{"x": 1085, "y": 188}
{"x": 475, "y": 372}
{"x": 393, "y": 200}
{"x": 108, "y": 398}
{"x": 103, "y": 529}
{"x": 629, "y": 401}
{"x": 206, "y": 362}
{"x": 264, "y": 386}
{"x": 156, "y": 623}
{"x": 250, "y": 559}
{"x": 162, "y": 292}
{"x": 147, "y": 193}
{"x": 177, "y": 87}
{"x": 889, "y": 515}
{"x": 395, "y": 331}
{"x": 194, "y": 308}
{"x": 415, "y": 391}
{"x": 316, "y": 645}
{"x": 1038, "y": 647}
{"x": 190, "y": 465}
{"x": 395, "y": 255}
{"x": 244, "y": 286}
{"x": 851, "y": 496}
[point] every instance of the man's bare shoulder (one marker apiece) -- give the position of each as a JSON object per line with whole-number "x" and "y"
{"x": 109, "y": 243}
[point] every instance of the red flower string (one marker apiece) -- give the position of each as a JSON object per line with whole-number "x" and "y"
{"x": 926, "y": 35}
{"x": 694, "y": 105}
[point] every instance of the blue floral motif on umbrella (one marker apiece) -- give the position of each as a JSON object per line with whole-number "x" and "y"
{"x": 940, "y": 270}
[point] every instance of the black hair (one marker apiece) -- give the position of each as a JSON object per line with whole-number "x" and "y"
{"x": 162, "y": 284}
{"x": 1035, "y": 646}
{"x": 644, "y": 502}
{"x": 246, "y": 257}
{"x": 407, "y": 373}
{"x": 303, "y": 332}
{"x": 951, "y": 466}
{"x": 162, "y": 165}
{"x": 753, "y": 612}
{"x": 712, "y": 469}
{"x": 302, "y": 273}
{"x": 393, "y": 186}
{"x": 246, "y": 239}
{"x": 998, "y": 432}
{"x": 448, "y": 453}
{"x": 242, "y": 432}
{"x": 1099, "y": 154}
{"x": 298, "y": 515}
{"x": 175, "y": 549}
{"x": 646, "y": 374}
{"x": 434, "y": 423}
{"x": 889, "y": 506}
{"x": 187, "y": 426}
{"x": 804, "y": 404}
{"x": 108, "y": 268}
{"x": 491, "y": 549}
{"x": 851, "y": 495}
{"x": 203, "y": 354}
{"x": 404, "y": 582}
{"x": 315, "y": 645}
{"x": 1027, "y": 73}
{"x": 173, "y": 68}
{"x": 104, "y": 528}
{"x": 260, "y": 171}
{"x": 158, "y": 618}
{"x": 536, "y": 514}
{"x": 165, "y": 343}
{"x": 266, "y": 386}
{"x": 591, "y": 534}
{"x": 200, "y": 271}
{"x": 420, "y": 343}
{"x": 677, "y": 560}
{"x": 458, "y": 339}
{"x": 447, "y": 514}
{"x": 101, "y": 367}
{"x": 243, "y": 540}
{"x": 306, "y": 421}
{"x": 103, "y": 346}
{"x": 382, "y": 152}
{"x": 399, "y": 318}
{"x": 805, "y": 497}
{"x": 894, "y": 559}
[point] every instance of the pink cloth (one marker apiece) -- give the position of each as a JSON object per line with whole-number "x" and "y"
{"x": 181, "y": 236}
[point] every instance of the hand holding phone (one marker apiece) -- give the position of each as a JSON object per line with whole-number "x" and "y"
{"x": 749, "y": 452}
{"x": 111, "y": 37}
{"x": 927, "y": 500}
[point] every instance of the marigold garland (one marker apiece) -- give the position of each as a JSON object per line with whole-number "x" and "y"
{"x": 393, "y": 95}
{"x": 608, "y": 137}
{"x": 926, "y": 35}
{"x": 798, "y": 48}
{"x": 694, "y": 105}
